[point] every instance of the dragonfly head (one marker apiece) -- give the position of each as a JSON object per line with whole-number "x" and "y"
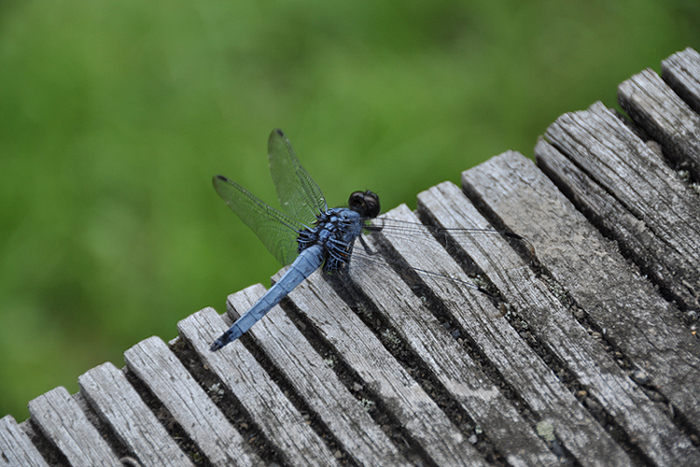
{"x": 365, "y": 203}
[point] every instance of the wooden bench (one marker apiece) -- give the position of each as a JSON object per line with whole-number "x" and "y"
{"x": 590, "y": 357}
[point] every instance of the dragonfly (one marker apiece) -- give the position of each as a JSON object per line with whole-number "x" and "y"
{"x": 307, "y": 235}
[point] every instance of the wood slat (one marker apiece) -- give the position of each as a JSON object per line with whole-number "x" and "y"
{"x": 589, "y": 346}
{"x": 167, "y": 378}
{"x": 62, "y": 421}
{"x": 283, "y": 343}
{"x": 663, "y": 114}
{"x": 682, "y": 73}
{"x": 554, "y": 326}
{"x": 263, "y": 400}
{"x": 512, "y": 436}
{"x": 501, "y": 344}
{"x": 598, "y": 142}
{"x": 379, "y": 371}
{"x": 615, "y": 158}
{"x": 16, "y": 449}
{"x": 118, "y": 404}
{"x": 624, "y": 306}
{"x": 671, "y": 270}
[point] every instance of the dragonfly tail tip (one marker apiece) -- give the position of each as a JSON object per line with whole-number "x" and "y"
{"x": 215, "y": 346}
{"x": 219, "y": 343}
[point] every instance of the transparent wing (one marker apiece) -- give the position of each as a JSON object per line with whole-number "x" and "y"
{"x": 468, "y": 238}
{"x": 413, "y": 236}
{"x": 298, "y": 194}
{"x": 277, "y": 231}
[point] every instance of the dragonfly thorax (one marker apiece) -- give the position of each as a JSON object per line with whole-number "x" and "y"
{"x": 336, "y": 231}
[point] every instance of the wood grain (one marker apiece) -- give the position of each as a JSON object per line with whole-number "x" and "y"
{"x": 63, "y": 422}
{"x": 564, "y": 337}
{"x": 16, "y": 449}
{"x": 264, "y": 401}
{"x": 623, "y": 307}
{"x": 317, "y": 384}
{"x": 160, "y": 370}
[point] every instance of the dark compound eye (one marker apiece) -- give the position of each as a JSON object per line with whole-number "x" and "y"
{"x": 365, "y": 202}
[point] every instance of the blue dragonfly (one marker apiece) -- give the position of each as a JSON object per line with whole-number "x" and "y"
{"x": 307, "y": 235}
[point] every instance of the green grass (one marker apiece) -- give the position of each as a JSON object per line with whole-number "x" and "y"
{"x": 115, "y": 115}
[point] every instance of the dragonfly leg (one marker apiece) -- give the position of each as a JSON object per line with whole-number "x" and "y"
{"x": 366, "y": 247}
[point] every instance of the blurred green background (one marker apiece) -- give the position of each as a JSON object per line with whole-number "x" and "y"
{"x": 114, "y": 115}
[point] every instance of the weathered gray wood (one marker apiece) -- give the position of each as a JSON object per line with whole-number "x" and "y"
{"x": 668, "y": 268}
{"x": 512, "y": 436}
{"x": 624, "y": 306}
{"x": 379, "y": 371}
{"x": 555, "y": 327}
{"x": 319, "y": 386}
{"x": 631, "y": 358}
{"x": 664, "y": 115}
{"x": 268, "y": 407}
{"x": 118, "y": 404}
{"x": 62, "y": 421}
{"x": 598, "y": 142}
{"x": 631, "y": 172}
{"x": 682, "y": 73}
{"x": 167, "y": 378}
{"x": 527, "y": 374}
{"x": 16, "y": 449}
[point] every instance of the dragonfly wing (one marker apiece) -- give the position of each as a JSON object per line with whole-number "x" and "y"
{"x": 366, "y": 261}
{"x": 298, "y": 194}
{"x": 277, "y": 231}
{"x": 386, "y": 230}
{"x": 468, "y": 237}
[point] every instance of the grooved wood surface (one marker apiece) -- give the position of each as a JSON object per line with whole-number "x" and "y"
{"x": 563, "y": 334}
